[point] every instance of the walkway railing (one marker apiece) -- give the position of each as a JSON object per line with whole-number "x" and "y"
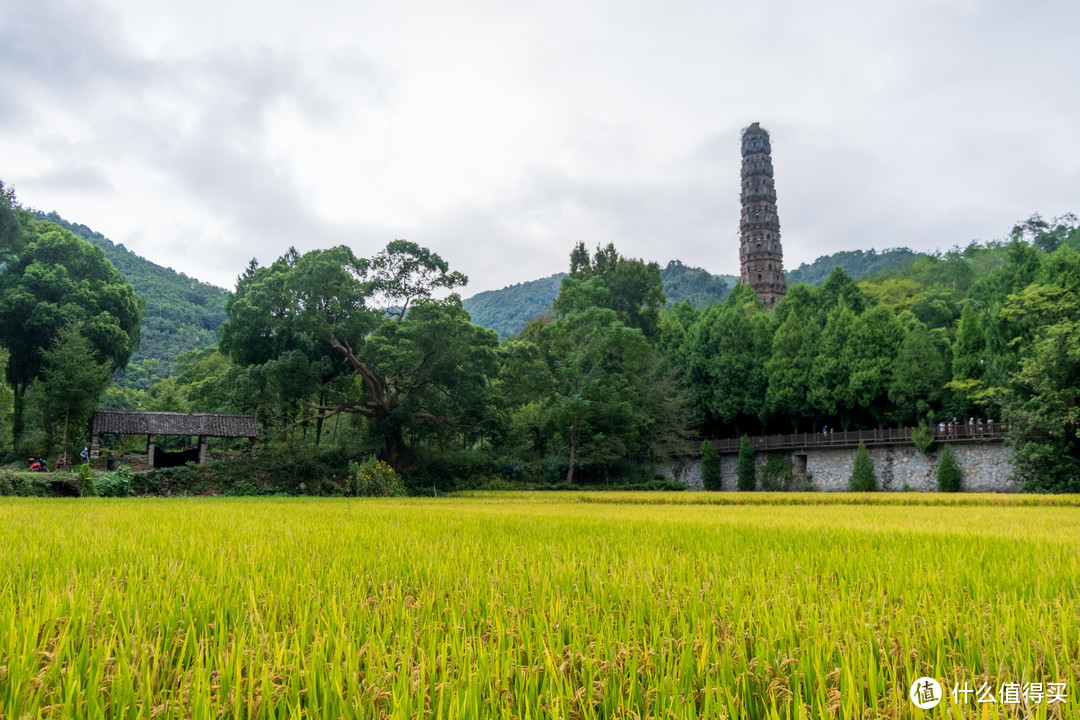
{"x": 989, "y": 432}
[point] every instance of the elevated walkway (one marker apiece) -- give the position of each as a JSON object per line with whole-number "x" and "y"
{"x": 993, "y": 432}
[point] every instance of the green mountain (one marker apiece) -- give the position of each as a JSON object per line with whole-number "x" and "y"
{"x": 858, "y": 264}
{"x": 182, "y": 313}
{"x": 507, "y": 311}
{"x": 700, "y": 287}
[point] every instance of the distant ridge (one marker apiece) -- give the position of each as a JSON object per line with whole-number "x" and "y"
{"x": 859, "y": 264}
{"x": 508, "y": 310}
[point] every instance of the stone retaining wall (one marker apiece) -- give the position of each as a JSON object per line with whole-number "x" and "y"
{"x": 985, "y": 467}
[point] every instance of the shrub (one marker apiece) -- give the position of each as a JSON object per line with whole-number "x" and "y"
{"x": 948, "y": 472}
{"x": 922, "y": 439}
{"x": 862, "y": 478}
{"x": 85, "y": 476}
{"x": 115, "y": 484}
{"x": 778, "y": 474}
{"x": 710, "y": 466}
{"x": 24, "y": 484}
{"x": 246, "y": 489}
{"x": 746, "y": 468}
{"x": 374, "y": 478}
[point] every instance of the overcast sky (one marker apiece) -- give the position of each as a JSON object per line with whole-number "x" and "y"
{"x": 203, "y": 133}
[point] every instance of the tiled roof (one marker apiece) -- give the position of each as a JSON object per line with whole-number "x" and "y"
{"x": 171, "y": 423}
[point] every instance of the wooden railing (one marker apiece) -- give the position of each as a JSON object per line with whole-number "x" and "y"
{"x": 990, "y": 432}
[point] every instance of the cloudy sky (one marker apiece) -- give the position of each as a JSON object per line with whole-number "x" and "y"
{"x": 203, "y": 133}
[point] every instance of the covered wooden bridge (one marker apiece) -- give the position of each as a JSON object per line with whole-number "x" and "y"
{"x": 152, "y": 424}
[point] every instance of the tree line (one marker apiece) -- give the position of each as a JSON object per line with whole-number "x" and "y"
{"x": 332, "y": 350}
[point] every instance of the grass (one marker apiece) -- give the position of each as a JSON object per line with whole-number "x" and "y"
{"x": 522, "y": 606}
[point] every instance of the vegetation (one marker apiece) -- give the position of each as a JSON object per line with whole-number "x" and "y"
{"x": 778, "y": 474}
{"x": 59, "y": 293}
{"x": 746, "y": 466}
{"x": 374, "y": 478}
{"x": 922, "y": 439}
{"x": 360, "y": 356}
{"x": 509, "y": 310}
{"x": 862, "y": 478}
{"x": 948, "y": 473}
{"x": 856, "y": 263}
{"x": 711, "y": 476}
{"x": 303, "y": 606}
{"x": 180, "y": 313}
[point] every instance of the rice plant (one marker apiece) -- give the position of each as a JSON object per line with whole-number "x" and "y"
{"x": 525, "y": 606}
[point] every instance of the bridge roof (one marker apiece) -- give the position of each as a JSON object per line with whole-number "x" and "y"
{"x": 172, "y": 423}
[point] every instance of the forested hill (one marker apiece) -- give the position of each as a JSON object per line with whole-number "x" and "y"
{"x": 182, "y": 313}
{"x": 856, "y": 263}
{"x": 506, "y": 311}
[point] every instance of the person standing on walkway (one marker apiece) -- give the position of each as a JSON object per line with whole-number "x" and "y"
{"x": 85, "y": 455}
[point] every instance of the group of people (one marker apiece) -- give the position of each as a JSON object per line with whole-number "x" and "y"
{"x": 975, "y": 427}
{"x": 62, "y": 462}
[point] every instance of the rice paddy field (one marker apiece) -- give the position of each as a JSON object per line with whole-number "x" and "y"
{"x": 557, "y": 605}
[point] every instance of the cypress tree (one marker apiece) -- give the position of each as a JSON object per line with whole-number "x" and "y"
{"x": 948, "y": 472}
{"x": 862, "y": 478}
{"x": 710, "y": 466}
{"x": 746, "y": 469}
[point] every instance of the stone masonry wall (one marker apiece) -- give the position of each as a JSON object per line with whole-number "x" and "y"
{"x": 985, "y": 468}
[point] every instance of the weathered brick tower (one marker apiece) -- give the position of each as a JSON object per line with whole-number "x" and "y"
{"x": 761, "y": 258}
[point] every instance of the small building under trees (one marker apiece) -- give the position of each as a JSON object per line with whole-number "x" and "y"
{"x": 153, "y": 424}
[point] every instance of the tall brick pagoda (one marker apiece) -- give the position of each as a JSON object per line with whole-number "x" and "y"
{"x": 761, "y": 258}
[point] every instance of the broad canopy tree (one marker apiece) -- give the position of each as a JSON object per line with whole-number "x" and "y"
{"x": 54, "y": 281}
{"x": 416, "y": 361}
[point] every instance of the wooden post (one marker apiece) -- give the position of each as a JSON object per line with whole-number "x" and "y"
{"x": 150, "y": 451}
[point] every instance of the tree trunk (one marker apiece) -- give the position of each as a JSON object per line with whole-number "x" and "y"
{"x": 48, "y": 434}
{"x": 18, "y": 391}
{"x": 394, "y": 448}
{"x": 573, "y": 452}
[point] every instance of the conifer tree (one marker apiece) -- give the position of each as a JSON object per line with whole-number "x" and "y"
{"x": 862, "y": 478}
{"x": 948, "y": 472}
{"x": 710, "y": 466}
{"x": 746, "y": 468}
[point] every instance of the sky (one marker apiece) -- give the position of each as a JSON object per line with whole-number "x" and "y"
{"x": 201, "y": 134}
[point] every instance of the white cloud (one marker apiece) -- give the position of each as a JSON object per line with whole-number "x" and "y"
{"x": 200, "y": 134}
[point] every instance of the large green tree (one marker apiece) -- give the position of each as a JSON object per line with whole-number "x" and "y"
{"x": 611, "y": 398}
{"x": 919, "y": 373}
{"x": 1043, "y": 397}
{"x": 730, "y": 346}
{"x": 876, "y": 339}
{"x": 57, "y": 280}
{"x": 417, "y": 362}
{"x": 830, "y": 391}
{"x": 10, "y": 223}
{"x": 73, "y": 380}
{"x": 789, "y": 369}
{"x": 633, "y": 288}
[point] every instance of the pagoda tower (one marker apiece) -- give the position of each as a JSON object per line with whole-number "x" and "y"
{"x": 761, "y": 258}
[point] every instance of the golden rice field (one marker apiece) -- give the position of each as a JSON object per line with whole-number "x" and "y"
{"x": 535, "y": 606}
